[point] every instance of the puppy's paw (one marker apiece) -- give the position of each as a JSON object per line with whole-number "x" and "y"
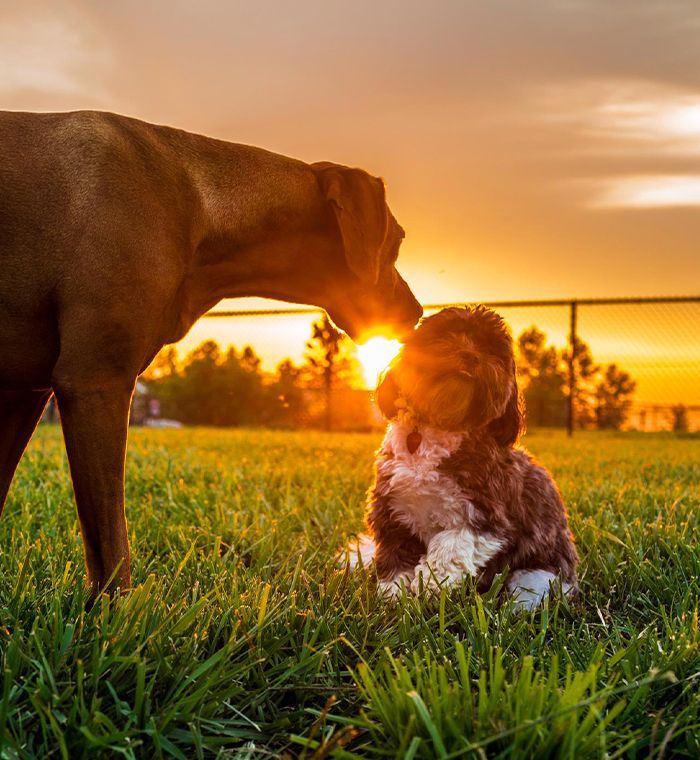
{"x": 435, "y": 579}
{"x": 392, "y": 588}
{"x": 422, "y": 577}
{"x": 432, "y": 580}
{"x": 359, "y": 553}
{"x": 529, "y": 588}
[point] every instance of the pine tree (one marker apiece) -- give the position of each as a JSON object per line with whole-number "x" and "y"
{"x": 613, "y": 398}
{"x": 328, "y": 363}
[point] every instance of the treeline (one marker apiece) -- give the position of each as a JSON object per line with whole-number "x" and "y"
{"x": 602, "y": 395}
{"x": 229, "y": 388}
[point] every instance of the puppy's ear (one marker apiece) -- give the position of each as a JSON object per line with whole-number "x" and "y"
{"x": 506, "y": 429}
{"x": 359, "y": 205}
{"x": 386, "y": 395}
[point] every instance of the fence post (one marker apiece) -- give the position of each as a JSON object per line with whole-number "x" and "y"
{"x": 573, "y": 307}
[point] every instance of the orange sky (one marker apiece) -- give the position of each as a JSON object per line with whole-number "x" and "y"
{"x": 531, "y": 150}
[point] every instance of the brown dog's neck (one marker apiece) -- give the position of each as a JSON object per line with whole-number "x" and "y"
{"x": 250, "y": 240}
{"x": 267, "y": 242}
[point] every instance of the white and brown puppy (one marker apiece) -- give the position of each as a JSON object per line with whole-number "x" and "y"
{"x": 452, "y": 495}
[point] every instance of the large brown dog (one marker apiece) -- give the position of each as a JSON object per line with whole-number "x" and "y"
{"x": 116, "y": 235}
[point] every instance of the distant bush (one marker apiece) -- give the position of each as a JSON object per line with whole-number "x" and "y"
{"x": 227, "y": 389}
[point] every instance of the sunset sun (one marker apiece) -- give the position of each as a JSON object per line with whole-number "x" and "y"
{"x": 374, "y": 356}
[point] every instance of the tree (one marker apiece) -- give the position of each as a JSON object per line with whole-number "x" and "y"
{"x": 544, "y": 379}
{"x": 329, "y": 363}
{"x": 679, "y": 418}
{"x": 544, "y": 372}
{"x": 287, "y": 396}
{"x": 211, "y": 388}
{"x": 163, "y": 365}
{"x": 586, "y": 372}
{"x": 613, "y": 398}
{"x": 249, "y": 360}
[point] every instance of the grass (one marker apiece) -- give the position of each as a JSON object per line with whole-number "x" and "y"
{"x": 243, "y": 638}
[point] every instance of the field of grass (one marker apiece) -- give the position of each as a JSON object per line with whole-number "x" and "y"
{"x": 243, "y": 638}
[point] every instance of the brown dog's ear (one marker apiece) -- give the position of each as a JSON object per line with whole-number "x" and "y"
{"x": 386, "y": 394}
{"x": 359, "y": 205}
{"x": 506, "y": 429}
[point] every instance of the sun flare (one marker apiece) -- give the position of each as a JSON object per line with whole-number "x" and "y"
{"x": 374, "y": 356}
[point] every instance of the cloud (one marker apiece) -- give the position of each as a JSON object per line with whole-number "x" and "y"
{"x": 612, "y": 114}
{"x": 49, "y": 53}
{"x": 658, "y": 119}
{"x": 41, "y": 58}
{"x": 647, "y": 192}
{"x": 675, "y": 118}
{"x": 626, "y": 143}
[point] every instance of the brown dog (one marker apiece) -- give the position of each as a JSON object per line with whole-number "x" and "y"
{"x": 116, "y": 235}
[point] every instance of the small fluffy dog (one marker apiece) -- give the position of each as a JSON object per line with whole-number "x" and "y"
{"x": 452, "y": 496}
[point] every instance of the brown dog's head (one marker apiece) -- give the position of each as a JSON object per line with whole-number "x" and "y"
{"x": 367, "y": 296}
{"x": 457, "y": 372}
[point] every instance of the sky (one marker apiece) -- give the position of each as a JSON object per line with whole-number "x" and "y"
{"x": 533, "y": 149}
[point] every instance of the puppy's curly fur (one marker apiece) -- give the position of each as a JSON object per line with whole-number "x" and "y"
{"x": 452, "y": 494}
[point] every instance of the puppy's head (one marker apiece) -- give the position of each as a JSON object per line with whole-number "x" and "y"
{"x": 457, "y": 372}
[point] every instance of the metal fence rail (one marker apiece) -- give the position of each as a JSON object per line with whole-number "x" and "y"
{"x": 491, "y": 304}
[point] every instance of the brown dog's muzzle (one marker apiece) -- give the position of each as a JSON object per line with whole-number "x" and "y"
{"x": 405, "y": 311}
{"x": 388, "y": 311}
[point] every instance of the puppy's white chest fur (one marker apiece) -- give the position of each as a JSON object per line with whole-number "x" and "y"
{"x": 422, "y": 497}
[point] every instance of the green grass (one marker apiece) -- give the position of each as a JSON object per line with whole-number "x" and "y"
{"x": 243, "y": 638}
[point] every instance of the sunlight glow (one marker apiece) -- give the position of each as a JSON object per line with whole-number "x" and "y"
{"x": 374, "y": 356}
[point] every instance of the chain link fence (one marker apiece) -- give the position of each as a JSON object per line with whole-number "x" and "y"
{"x": 653, "y": 345}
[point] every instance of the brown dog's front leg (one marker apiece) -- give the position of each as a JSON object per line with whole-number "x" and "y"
{"x": 19, "y": 413}
{"x": 95, "y": 423}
